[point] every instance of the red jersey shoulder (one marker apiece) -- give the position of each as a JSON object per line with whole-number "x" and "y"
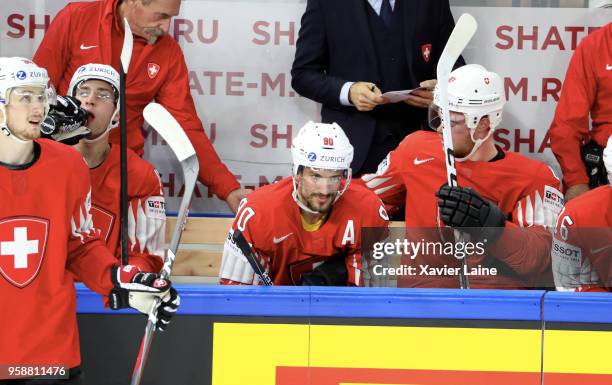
{"x": 362, "y": 204}
{"x": 534, "y": 169}
{"x": 53, "y": 151}
{"x": 593, "y": 208}
{"x": 271, "y": 196}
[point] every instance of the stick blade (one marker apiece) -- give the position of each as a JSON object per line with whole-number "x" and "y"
{"x": 169, "y": 129}
{"x": 128, "y": 45}
{"x": 460, "y": 37}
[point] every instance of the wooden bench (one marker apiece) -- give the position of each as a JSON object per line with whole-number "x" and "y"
{"x": 199, "y": 255}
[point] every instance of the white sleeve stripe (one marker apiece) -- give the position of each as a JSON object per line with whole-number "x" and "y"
{"x": 368, "y": 177}
{"x": 383, "y": 190}
{"x": 528, "y": 212}
{"x": 519, "y": 214}
{"x": 539, "y": 218}
{"x": 376, "y": 182}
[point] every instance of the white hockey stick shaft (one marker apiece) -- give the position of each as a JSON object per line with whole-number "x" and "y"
{"x": 174, "y": 135}
{"x": 126, "y": 57}
{"x": 460, "y": 37}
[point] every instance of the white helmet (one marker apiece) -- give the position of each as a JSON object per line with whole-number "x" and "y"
{"x": 105, "y": 73}
{"x": 321, "y": 146}
{"x": 96, "y": 71}
{"x": 474, "y": 92}
{"x": 607, "y": 159}
{"x": 20, "y": 72}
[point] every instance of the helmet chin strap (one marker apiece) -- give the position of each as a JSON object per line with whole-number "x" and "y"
{"x": 477, "y": 144}
{"x": 7, "y": 131}
{"x": 297, "y": 200}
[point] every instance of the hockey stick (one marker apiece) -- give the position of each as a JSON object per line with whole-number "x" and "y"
{"x": 460, "y": 37}
{"x": 246, "y": 249}
{"x": 174, "y": 135}
{"x": 126, "y": 57}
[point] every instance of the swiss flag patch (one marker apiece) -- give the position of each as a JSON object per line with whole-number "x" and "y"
{"x": 22, "y": 248}
{"x": 426, "y": 51}
{"x": 152, "y": 70}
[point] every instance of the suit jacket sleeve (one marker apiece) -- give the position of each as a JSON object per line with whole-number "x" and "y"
{"x": 309, "y": 71}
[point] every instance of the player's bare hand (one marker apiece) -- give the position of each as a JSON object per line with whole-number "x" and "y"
{"x": 576, "y": 190}
{"x": 422, "y": 98}
{"x": 233, "y": 199}
{"x": 365, "y": 96}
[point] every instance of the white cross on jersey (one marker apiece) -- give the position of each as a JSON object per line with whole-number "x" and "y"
{"x": 426, "y": 53}
{"x": 20, "y": 247}
{"x": 152, "y": 70}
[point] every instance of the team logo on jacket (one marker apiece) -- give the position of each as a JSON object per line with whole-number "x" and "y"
{"x": 426, "y": 51}
{"x": 22, "y": 248}
{"x": 152, "y": 70}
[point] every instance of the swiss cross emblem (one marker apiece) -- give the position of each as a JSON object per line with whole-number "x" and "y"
{"x": 152, "y": 70}
{"x": 22, "y": 248}
{"x": 426, "y": 51}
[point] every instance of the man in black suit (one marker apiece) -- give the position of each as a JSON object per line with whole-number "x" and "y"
{"x": 349, "y": 52}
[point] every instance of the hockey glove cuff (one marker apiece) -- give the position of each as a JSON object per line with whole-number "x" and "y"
{"x": 66, "y": 121}
{"x": 138, "y": 290}
{"x": 464, "y": 209}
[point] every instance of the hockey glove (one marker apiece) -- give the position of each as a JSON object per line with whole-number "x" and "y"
{"x": 66, "y": 121}
{"x": 330, "y": 273}
{"x": 592, "y": 156}
{"x": 138, "y": 290}
{"x": 464, "y": 209}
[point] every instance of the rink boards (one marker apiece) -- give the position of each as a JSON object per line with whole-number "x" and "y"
{"x": 347, "y": 336}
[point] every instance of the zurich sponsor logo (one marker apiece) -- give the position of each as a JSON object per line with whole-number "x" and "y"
{"x": 312, "y": 156}
{"x": 82, "y": 69}
{"x": 21, "y": 75}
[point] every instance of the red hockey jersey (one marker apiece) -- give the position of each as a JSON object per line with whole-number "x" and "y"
{"x": 582, "y": 248}
{"x": 526, "y": 190}
{"x": 587, "y": 89}
{"x": 271, "y": 222}
{"x": 147, "y": 214}
{"x": 88, "y": 32}
{"x": 46, "y": 236}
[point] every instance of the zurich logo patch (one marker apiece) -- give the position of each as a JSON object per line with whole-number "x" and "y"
{"x": 312, "y": 156}
{"x": 21, "y": 75}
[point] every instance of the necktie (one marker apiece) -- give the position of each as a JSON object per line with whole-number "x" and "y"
{"x": 386, "y": 12}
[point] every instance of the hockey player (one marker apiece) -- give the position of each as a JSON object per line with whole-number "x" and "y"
{"x": 500, "y": 192}
{"x": 582, "y": 248}
{"x": 306, "y": 229}
{"x": 92, "y": 32}
{"x": 96, "y": 86}
{"x": 47, "y": 236}
{"x": 586, "y": 93}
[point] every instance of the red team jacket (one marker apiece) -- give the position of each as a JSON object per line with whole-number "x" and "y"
{"x": 46, "y": 236}
{"x": 147, "y": 215}
{"x": 271, "y": 221}
{"x": 582, "y": 249}
{"x": 587, "y": 89}
{"x": 87, "y": 32}
{"x": 525, "y": 189}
